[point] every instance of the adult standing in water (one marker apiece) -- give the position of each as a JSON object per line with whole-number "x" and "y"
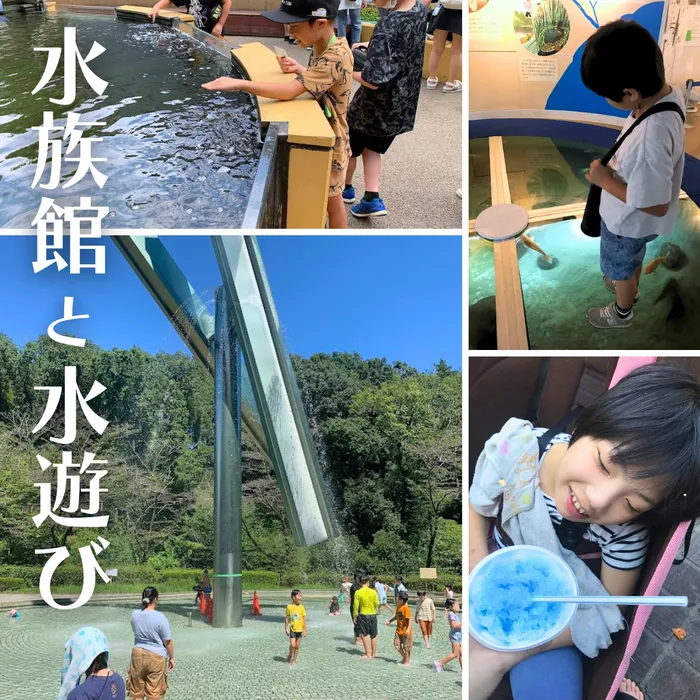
{"x": 153, "y": 650}
{"x": 209, "y": 15}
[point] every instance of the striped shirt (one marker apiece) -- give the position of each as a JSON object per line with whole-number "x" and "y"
{"x": 622, "y": 546}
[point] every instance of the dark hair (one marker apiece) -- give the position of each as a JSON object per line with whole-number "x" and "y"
{"x": 295, "y": 592}
{"x": 398, "y": 578}
{"x": 403, "y": 596}
{"x": 652, "y": 416}
{"x": 364, "y": 579}
{"x": 420, "y": 593}
{"x": 622, "y": 55}
{"x": 148, "y": 596}
{"x": 449, "y": 603}
{"x": 98, "y": 664}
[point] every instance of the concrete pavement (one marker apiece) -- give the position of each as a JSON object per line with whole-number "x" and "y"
{"x": 664, "y": 667}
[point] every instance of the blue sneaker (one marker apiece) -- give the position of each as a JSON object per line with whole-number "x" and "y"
{"x": 364, "y": 208}
{"x": 349, "y": 194}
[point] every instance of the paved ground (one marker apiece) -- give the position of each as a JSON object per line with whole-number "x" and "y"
{"x": 248, "y": 663}
{"x": 423, "y": 169}
{"x": 664, "y": 667}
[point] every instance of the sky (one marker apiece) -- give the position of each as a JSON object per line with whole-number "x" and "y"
{"x": 398, "y": 297}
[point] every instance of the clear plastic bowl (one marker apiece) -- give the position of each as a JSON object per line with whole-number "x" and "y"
{"x": 526, "y": 563}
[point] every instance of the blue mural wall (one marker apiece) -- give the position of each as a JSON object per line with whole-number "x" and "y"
{"x": 570, "y": 93}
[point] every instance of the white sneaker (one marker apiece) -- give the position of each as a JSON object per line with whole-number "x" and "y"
{"x": 456, "y": 86}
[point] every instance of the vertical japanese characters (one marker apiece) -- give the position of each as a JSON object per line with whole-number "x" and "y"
{"x": 78, "y": 148}
{"x": 68, "y": 494}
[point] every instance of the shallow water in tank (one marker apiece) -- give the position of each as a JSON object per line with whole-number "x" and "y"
{"x": 177, "y": 155}
{"x": 667, "y": 315}
{"x": 550, "y": 172}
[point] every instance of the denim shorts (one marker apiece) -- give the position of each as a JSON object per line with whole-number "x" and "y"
{"x": 620, "y": 256}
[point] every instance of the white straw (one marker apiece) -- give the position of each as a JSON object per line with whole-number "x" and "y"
{"x": 677, "y": 601}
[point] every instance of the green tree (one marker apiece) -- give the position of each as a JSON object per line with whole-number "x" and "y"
{"x": 9, "y": 359}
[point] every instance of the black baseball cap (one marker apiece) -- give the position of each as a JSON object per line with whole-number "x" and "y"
{"x": 292, "y": 11}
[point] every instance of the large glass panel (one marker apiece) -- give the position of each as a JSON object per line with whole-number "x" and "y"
{"x": 545, "y": 172}
{"x": 295, "y": 465}
{"x": 667, "y": 315}
{"x": 479, "y": 177}
{"x": 158, "y": 261}
{"x": 270, "y": 400}
{"x": 482, "y": 295}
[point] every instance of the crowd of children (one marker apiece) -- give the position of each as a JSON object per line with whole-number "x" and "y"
{"x": 366, "y": 599}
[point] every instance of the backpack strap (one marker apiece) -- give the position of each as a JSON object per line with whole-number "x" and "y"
{"x": 656, "y": 109}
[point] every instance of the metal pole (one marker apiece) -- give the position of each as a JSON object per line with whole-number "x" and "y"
{"x": 228, "y": 583}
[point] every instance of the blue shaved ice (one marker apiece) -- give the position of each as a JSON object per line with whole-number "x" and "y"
{"x": 501, "y": 612}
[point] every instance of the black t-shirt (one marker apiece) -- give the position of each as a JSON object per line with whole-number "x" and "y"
{"x": 395, "y": 66}
{"x": 201, "y": 10}
{"x": 353, "y": 589}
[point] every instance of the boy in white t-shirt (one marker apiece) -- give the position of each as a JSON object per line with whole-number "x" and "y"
{"x": 641, "y": 187}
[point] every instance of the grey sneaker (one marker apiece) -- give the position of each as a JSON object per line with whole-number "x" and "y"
{"x": 610, "y": 286}
{"x": 607, "y": 317}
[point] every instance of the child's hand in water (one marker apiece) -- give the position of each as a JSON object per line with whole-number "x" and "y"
{"x": 599, "y": 174}
{"x": 226, "y": 84}
{"x": 289, "y": 65}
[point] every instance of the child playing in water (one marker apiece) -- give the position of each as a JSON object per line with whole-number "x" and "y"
{"x": 426, "y": 614}
{"x": 328, "y": 79}
{"x": 455, "y": 637}
{"x": 403, "y": 639}
{"x": 632, "y": 462}
{"x": 334, "y": 606}
{"x": 641, "y": 186}
{"x": 382, "y": 591}
{"x": 295, "y": 625}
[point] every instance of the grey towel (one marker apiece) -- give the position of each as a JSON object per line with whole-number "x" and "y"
{"x": 507, "y": 469}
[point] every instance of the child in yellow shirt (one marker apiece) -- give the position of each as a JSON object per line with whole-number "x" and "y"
{"x": 295, "y": 625}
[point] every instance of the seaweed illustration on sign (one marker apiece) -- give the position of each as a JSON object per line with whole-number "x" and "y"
{"x": 545, "y": 30}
